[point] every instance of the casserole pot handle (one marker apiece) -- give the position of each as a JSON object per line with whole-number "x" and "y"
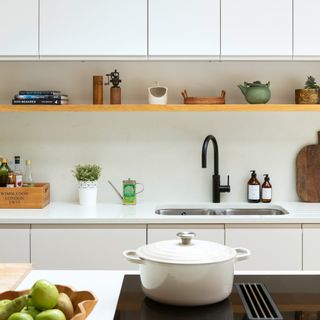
{"x": 131, "y": 256}
{"x": 242, "y": 254}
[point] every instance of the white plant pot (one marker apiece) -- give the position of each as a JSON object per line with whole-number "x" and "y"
{"x": 88, "y": 193}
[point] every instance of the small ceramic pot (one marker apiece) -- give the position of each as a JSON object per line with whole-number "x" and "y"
{"x": 186, "y": 273}
{"x": 88, "y": 193}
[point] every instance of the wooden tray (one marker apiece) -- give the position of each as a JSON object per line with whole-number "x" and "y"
{"x": 35, "y": 197}
{"x": 203, "y": 100}
{"x": 83, "y": 301}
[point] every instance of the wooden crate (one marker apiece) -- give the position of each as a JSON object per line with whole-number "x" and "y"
{"x": 35, "y": 197}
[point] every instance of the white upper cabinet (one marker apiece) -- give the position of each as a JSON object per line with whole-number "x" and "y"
{"x": 19, "y": 29}
{"x": 184, "y": 28}
{"x": 93, "y": 28}
{"x": 256, "y": 29}
{"x": 306, "y": 29}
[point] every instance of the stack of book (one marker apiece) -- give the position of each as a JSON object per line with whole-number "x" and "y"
{"x": 40, "y": 97}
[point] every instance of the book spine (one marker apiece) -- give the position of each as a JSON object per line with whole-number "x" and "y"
{"x": 39, "y": 96}
{"x": 44, "y": 92}
{"x": 38, "y": 101}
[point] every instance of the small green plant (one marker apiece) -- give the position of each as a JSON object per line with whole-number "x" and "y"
{"x": 311, "y": 83}
{"x": 87, "y": 172}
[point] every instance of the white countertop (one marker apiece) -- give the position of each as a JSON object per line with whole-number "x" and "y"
{"x": 105, "y": 285}
{"x": 73, "y": 213}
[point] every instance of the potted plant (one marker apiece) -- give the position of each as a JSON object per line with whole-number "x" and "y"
{"x": 310, "y": 94}
{"x": 87, "y": 176}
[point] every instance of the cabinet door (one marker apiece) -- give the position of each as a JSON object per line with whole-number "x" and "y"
{"x": 306, "y": 29}
{"x": 15, "y": 243}
{"x": 256, "y": 29}
{"x": 273, "y": 247}
{"x": 19, "y": 29}
{"x": 311, "y": 252}
{"x": 93, "y": 28}
{"x": 84, "y": 247}
{"x": 184, "y": 28}
{"x": 159, "y": 232}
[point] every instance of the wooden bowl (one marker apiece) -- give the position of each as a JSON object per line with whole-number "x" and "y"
{"x": 203, "y": 100}
{"x": 83, "y": 301}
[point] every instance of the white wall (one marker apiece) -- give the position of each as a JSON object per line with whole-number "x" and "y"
{"x": 162, "y": 150}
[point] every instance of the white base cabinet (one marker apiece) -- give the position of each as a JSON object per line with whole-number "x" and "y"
{"x": 84, "y": 246}
{"x": 311, "y": 252}
{"x": 159, "y": 232}
{"x": 15, "y": 243}
{"x": 273, "y": 247}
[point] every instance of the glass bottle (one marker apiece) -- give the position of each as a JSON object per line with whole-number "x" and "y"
{"x": 17, "y": 172}
{"x": 28, "y": 174}
{"x": 253, "y": 188}
{"x": 4, "y": 171}
{"x": 266, "y": 194}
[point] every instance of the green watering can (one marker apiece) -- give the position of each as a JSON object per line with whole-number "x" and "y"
{"x": 256, "y": 92}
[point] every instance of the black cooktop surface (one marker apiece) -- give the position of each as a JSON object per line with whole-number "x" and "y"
{"x": 296, "y": 297}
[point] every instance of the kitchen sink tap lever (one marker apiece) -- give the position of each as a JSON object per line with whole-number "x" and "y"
{"x": 217, "y": 188}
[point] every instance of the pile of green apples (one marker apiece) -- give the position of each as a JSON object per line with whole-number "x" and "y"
{"x": 44, "y": 302}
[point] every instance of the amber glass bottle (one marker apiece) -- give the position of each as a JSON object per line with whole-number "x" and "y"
{"x": 253, "y": 188}
{"x": 266, "y": 194}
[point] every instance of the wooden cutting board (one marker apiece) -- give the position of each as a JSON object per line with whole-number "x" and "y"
{"x": 11, "y": 275}
{"x": 308, "y": 173}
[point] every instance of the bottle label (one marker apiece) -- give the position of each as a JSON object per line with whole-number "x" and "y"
{"x": 18, "y": 180}
{"x": 254, "y": 192}
{"x": 267, "y": 193}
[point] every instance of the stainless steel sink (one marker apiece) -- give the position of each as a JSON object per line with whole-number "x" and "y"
{"x": 222, "y": 212}
{"x": 186, "y": 212}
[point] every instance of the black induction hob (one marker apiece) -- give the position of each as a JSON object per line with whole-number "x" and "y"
{"x": 297, "y": 297}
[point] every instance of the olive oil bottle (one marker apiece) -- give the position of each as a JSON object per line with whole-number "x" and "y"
{"x": 4, "y": 171}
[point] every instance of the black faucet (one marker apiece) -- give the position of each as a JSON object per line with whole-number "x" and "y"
{"x": 216, "y": 187}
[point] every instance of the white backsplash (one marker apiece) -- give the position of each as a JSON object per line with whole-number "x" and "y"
{"x": 161, "y": 150}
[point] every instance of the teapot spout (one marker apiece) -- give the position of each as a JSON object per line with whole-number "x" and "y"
{"x": 243, "y": 89}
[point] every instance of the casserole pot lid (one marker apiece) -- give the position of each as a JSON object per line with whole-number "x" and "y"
{"x": 186, "y": 251}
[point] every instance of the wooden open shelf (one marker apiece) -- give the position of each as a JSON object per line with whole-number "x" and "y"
{"x": 158, "y": 108}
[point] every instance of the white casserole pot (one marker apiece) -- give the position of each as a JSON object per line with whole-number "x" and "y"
{"x": 186, "y": 272}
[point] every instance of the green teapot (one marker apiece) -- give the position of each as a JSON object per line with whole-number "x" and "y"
{"x": 256, "y": 92}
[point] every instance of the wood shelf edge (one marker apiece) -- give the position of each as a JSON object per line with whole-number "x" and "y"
{"x": 158, "y": 108}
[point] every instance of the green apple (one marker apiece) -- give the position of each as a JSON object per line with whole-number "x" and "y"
{"x": 44, "y": 295}
{"x": 4, "y": 302}
{"x": 33, "y": 311}
{"x": 20, "y": 316}
{"x": 53, "y": 314}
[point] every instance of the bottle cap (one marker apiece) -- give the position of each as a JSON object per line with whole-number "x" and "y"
{"x": 28, "y": 162}
{"x": 17, "y": 159}
{"x": 4, "y": 160}
{"x": 253, "y": 173}
{"x": 266, "y": 176}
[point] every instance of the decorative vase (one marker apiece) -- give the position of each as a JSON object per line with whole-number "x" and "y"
{"x": 307, "y": 96}
{"x": 88, "y": 193}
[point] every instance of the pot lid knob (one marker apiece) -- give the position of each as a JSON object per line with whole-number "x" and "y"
{"x": 186, "y": 237}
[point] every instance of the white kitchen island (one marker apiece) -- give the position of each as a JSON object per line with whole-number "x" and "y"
{"x": 105, "y": 285}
